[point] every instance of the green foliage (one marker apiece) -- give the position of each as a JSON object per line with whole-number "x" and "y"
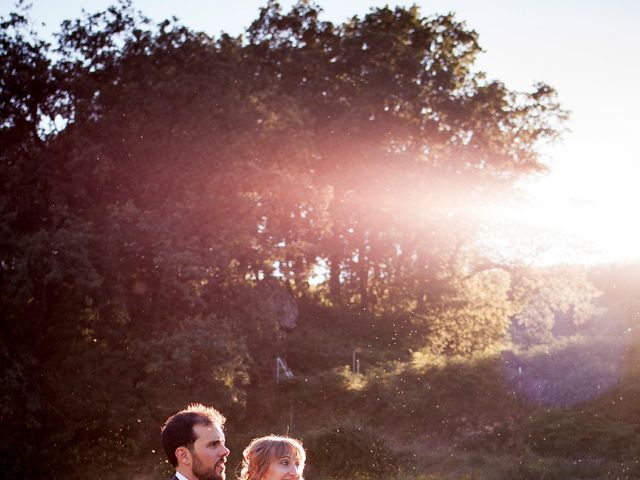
{"x": 554, "y": 468}
{"x": 578, "y": 435}
{"x": 544, "y": 295}
{"x": 161, "y": 188}
{"x": 472, "y": 316}
{"x": 618, "y": 284}
{"x": 566, "y": 373}
{"x": 327, "y": 337}
{"x": 349, "y": 451}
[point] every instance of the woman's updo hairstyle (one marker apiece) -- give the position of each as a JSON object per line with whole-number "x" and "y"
{"x": 259, "y": 454}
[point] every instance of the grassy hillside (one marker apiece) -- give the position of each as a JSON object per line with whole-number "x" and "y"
{"x": 567, "y": 410}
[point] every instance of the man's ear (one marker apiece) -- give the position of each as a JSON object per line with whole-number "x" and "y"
{"x": 183, "y": 455}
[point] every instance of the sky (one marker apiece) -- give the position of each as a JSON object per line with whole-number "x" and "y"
{"x": 588, "y": 50}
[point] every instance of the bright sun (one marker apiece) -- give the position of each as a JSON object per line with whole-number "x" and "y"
{"x": 600, "y": 226}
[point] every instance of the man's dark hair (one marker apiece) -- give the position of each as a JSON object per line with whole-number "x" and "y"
{"x": 177, "y": 431}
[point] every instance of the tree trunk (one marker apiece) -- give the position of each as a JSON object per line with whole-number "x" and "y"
{"x": 334, "y": 279}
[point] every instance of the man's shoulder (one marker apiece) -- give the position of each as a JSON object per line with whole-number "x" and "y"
{"x": 179, "y": 476}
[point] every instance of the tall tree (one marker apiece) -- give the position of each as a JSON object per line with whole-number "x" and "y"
{"x": 157, "y": 183}
{"x": 404, "y": 134}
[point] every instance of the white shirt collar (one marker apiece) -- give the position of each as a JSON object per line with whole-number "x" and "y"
{"x": 181, "y": 476}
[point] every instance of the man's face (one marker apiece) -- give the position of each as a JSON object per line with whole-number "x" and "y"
{"x": 209, "y": 453}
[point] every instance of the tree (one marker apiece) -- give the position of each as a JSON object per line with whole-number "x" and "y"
{"x": 544, "y": 295}
{"x": 122, "y": 245}
{"x": 404, "y": 135}
{"x": 158, "y": 181}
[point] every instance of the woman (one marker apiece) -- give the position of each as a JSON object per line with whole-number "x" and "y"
{"x": 273, "y": 458}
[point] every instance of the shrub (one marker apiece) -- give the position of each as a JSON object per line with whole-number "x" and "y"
{"x": 349, "y": 451}
{"x": 533, "y": 467}
{"x": 579, "y": 436}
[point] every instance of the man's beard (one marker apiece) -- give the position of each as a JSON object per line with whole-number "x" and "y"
{"x": 203, "y": 473}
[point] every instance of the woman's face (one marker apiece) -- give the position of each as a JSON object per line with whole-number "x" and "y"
{"x": 284, "y": 468}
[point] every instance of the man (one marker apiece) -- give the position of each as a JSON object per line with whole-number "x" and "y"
{"x": 194, "y": 443}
